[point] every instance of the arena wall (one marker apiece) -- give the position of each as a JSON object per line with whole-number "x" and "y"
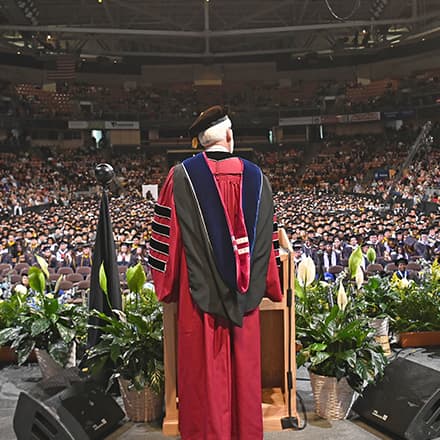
{"x": 239, "y": 72}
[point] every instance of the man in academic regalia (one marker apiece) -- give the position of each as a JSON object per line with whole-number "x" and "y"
{"x": 401, "y": 271}
{"x": 214, "y": 250}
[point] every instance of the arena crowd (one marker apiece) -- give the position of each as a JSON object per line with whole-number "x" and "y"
{"x": 50, "y": 205}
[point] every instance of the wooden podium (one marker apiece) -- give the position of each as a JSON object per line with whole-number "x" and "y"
{"x": 274, "y": 360}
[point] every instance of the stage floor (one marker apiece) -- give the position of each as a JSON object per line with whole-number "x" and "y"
{"x": 14, "y": 379}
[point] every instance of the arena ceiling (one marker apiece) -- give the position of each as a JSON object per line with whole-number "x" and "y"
{"x": 213, "y": 29}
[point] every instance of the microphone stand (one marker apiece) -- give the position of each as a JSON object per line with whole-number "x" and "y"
{"x": 289, "y": 422}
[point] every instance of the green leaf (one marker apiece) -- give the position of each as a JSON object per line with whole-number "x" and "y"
{"x": 363, "y": 369}
{"x": 349, "y": 356}
{"x": 43, "y": 264}
{"x": 350, "y": 331}
{"x": 332, "y": 316}
{"x": 355, "y": 261}
{"x": 24, "y": 351}
{"x": 37, "y": 280}
{"x": 60, "y": 352}
{"x": 319, "y": 358}
{"x": 115, "y": 352}
{"x": 9, "y": 334}
{"x": 52, "y": 306}
{"x": 371, "y": 255}
{"x": 299, "y": 290}
{"x": 302, "y": 357}
{"x": 97, "y": 366}
{"x": 317, "y": 347}
{"x": 103, "y": 279}
{"x": 378, "y": 361}
{"x": 67, "y": 334}
{"x": 39, "y": 326}
{"x": 136, "y": 278}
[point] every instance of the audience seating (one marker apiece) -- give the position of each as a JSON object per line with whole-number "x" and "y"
{"x": 374, "y": 268}
{"x": 414, "y": 266}
{"x": 5, "y": 267}
{"x": 53, "y": 277}
{"x": 84, "y": 270}
{"x": 83, "y": 285}
{"x": 19, "y": 267}
{"x": 15, "y": 278}
{"x": 65, "y": 270}
{"x": 335, "y": 270}
{"x": 74, "y": 277}
{"x": 66, "y": 285}
{"x": 390, "y": 268}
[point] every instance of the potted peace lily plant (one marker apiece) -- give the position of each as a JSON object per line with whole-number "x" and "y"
{"x": 416, "y": 311}
{"x": 338, "y": 345}
{"x": 376, "y": 300}
{"x": 132, "y": 343}
{"x": 43, "y": 324}
{"x": 12, "y": 309}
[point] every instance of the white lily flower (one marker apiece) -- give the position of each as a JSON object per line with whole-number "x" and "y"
{"x": 20, "y": 289}
{"x": 306, "y": 272}
{"x": 403, "y": 283}
{"x": 342, "y": 297}
{"x": 359, "y": 277}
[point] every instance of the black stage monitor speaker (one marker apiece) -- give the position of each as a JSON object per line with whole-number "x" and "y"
{"x": 406, "y": 402}
{"x": 80, "y": 412}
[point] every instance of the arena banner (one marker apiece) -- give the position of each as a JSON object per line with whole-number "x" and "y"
{"x": 342, "y": 119}
{"x": 121, "y": 125}
{"x": 300, "y": 120}
{"x": 401, "y": 114}
{"x": 364, "y": 117}
{"x": 334, "y": 119}
{"x": 381, "y": 174}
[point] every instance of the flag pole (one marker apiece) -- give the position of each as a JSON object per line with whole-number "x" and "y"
{"x": 104, "y": 254}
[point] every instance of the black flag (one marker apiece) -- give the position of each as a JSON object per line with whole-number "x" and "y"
{"x": 103, "y": 253}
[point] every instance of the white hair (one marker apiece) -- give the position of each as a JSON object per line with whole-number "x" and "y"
{"x": 216, "y": 133}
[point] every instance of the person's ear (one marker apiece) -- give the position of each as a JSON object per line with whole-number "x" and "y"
{"x": 228, "y": 135}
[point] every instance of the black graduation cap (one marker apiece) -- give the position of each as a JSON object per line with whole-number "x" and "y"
{"x": 402, "y": 261}
{"x": 208, "y": 118}
{"x": 297, "y": 245}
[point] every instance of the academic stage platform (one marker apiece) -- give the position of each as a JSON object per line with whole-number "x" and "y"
{"x": 14, "y": 379}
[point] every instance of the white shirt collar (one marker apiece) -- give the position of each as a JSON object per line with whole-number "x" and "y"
{"x": 213, "y": 148}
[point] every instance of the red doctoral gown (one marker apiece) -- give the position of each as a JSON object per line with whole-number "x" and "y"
{"x": 219, "y": 364}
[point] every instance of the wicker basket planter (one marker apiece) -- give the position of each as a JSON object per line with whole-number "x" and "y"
{"x": 382, "y": 326}
{"x": 142, "y": 406}
{"x": 419, "y": 339}
{"x": 333, "y": 398}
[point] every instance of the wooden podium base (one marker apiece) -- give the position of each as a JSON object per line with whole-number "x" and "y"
{"x": 170, "y": 426}
{"x": 273, "y": 407}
